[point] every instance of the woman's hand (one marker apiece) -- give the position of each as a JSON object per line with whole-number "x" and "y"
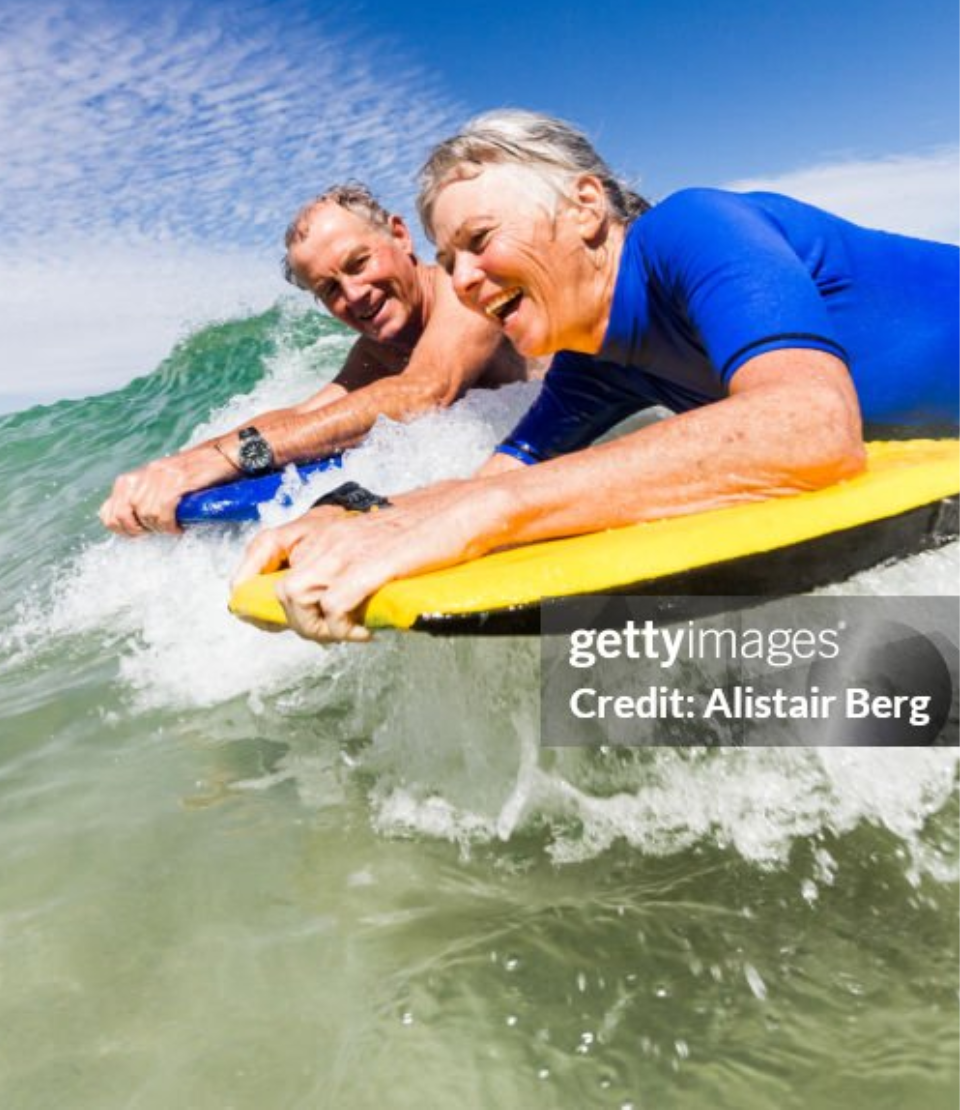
{"x": 338, "y": 560}
{"x": 273, "y": 548}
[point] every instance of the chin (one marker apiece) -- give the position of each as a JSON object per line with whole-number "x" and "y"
{"x": 399, "y": 332}
{"x": 531, "y": 346}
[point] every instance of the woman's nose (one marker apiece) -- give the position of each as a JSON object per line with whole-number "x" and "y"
{"x": 467, "y": 276}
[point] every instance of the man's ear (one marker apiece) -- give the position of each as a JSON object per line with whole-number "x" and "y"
{"x": 400, "y": 233}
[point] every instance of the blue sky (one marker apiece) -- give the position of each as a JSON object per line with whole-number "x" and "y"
{"x": 705, "y": 90}
{"x": 153, "y": 153}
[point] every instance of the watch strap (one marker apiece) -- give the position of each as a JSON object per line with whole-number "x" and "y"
{"x": 354, "y": 498}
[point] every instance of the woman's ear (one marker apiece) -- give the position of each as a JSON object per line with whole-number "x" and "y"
{"x": 591, "y": 207}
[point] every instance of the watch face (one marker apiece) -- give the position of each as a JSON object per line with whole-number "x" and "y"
{"x": 254, "y": 454}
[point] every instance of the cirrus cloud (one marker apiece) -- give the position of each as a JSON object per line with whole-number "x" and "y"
{"x": 914, "y": 194}
{"x": 153, "y": 156}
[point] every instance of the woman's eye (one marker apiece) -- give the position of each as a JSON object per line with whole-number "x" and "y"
{"x": 477, "y": 241}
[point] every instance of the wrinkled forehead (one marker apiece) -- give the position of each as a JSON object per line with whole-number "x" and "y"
{"x": 493, "y": 190}
{"x": 329, "y": 220}
{"x": 331, "y": 237}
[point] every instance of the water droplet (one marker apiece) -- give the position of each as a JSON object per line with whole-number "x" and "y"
{"x": 755, "y": 982}
{"x": 406, "y": 1018}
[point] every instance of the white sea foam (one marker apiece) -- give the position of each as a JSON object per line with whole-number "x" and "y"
{"x": 165, "y": 598}
{"x": 453, "y": 749}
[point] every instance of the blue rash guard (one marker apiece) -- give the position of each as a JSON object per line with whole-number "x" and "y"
{"x": 708, "y": 280}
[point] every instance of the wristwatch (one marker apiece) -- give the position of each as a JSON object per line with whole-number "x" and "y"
{"x": 354, "y": 498}
{"x": 255, "y": 455}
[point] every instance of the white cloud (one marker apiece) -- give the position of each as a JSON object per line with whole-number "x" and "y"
{"x": 914, "y": 194}
{"x": 152, "y": 158}
{"x": 112, "y": 310}
{"x": 201, "y": 120}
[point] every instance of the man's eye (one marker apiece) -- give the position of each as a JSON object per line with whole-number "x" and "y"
{"x": 325, "y": 291}
{"x": 359, "y": 264}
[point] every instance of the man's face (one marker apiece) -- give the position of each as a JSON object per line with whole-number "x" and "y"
{"x": 363, "y": 274}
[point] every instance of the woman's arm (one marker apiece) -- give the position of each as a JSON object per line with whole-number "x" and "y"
{"x": 791, "y": 423}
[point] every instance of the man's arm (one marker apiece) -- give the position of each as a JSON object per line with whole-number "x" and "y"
{"x": 456, "y": 350}
{"x": 145, "y": 500}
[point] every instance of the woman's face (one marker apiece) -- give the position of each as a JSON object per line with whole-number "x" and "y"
{"x": 516, "y": 254}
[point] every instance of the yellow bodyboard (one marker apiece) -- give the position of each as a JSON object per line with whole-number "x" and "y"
{"x": 900, "y": 477}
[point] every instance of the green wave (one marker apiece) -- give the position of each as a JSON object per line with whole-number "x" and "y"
{"x": 59, "y": 461}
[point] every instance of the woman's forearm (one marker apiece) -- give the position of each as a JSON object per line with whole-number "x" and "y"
{"x": 761, "y": 443}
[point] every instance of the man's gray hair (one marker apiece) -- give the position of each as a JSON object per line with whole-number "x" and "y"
{"x": 354, "y": 196}
{"x": 555, "y": 150}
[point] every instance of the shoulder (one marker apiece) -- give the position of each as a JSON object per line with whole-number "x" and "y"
{"x": 443, "y": 299}
{"x": 443, "y": 307}
{"x": 449, "y": 319}
{"x": 693, "y": 212}
{"x": 694, "y": 228}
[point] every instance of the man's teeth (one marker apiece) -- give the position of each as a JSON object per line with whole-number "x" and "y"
{"x": 498, "y": 307}
{"x": 370, "y": 314}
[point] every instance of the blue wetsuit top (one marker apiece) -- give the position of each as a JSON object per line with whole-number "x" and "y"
{"x": 708, "y": 280}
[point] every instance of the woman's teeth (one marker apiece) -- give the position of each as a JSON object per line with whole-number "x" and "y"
{"x": 500, "y": 306}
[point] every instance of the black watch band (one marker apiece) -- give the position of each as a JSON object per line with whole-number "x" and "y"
{"x": 354, "y": 498}
{"x": 255, "y": 455}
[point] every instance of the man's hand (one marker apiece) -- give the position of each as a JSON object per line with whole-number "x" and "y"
{"x": 146, "y": 500}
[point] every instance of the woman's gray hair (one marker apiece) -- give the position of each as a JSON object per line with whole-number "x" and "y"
{"x": 557, "y": 151}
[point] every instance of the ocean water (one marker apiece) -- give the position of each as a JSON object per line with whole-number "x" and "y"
{"x": 242, "y": 871}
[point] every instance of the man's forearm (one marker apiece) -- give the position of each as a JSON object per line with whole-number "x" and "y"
{"x": 300, "y": 437}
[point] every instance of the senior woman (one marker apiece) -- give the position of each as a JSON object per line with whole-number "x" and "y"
{"x": 772, "y": 329}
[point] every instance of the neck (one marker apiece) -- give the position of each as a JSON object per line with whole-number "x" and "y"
{"x": 421, "y": 309}
{"x": 604, "y": 284}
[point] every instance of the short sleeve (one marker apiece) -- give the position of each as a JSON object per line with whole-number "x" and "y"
{"x": 744, "y": 287}
{"x": 581, "y": 398}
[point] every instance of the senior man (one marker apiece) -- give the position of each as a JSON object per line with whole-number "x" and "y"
{"x": 419, "y": 348}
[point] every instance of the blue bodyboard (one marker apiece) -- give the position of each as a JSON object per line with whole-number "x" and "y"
{"x": 241, "y": 500}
